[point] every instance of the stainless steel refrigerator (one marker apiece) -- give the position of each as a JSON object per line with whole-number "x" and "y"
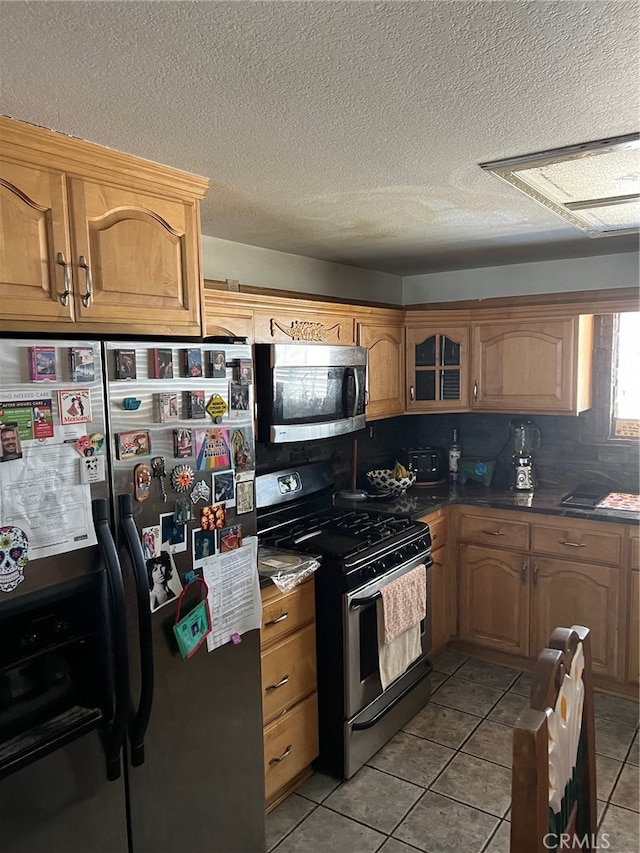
{"x": 109, "y": 739}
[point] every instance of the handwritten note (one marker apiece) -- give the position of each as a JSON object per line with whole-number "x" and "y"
{"x": 234, "y": 592}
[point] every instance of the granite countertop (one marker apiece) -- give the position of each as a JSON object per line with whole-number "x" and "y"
{"x": 421, "y": 500}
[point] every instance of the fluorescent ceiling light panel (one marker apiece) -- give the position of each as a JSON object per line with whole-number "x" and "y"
{"x": 594, "y": 186}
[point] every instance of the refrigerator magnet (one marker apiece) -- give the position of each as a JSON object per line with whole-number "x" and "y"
{"x": 142, "y": 481}
{"x": 200, "y": 492}
{"x": 132, "y": 444}
{"x": 192, "y": 629}
{"x": 182, "y": 511}
{"x": 14, "y": 545}
{"x": 151, "y": 541}
{"x": 182, "y": 478}
{"x": 216, "y": 408}
{"x": 74, "y": 407}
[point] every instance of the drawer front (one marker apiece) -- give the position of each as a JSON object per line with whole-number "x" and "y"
{"x": 283, "y": 613}
{"x": 438, "y": 529}
{"x": 288, "y": 672}
{"x": 588, "y": 541}
{"x": 290, "y": 745}
{"x": 496, "y": 531}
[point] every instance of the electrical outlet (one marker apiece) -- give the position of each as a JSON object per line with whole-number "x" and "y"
{"x": 233, "y": 285}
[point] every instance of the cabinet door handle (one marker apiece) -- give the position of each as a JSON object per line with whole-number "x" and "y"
{"x": 493, "y": 533}
{"x": 281, "y": 683}
{"x": 523, "y": 574}
{"x": 535, "y": 575}
{"x": 64, "y": 297}
{"x": 281, "y": 757}
{"x": 88, "y": 296}
{"x": 475, "y": 390}
{"x": 279, "y": 619}
{"x": 412, "y": 395}
{"x": 573, "y": 544}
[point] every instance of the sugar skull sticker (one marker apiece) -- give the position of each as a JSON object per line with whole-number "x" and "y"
{"x": 14, "y": 547}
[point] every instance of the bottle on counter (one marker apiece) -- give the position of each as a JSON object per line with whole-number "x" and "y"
{"x": 455, "y": 452}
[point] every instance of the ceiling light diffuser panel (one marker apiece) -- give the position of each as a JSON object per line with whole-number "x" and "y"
{"x": 594, "y": 186}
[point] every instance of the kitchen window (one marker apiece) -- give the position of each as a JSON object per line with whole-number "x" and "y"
{"x": 625, "y": 370}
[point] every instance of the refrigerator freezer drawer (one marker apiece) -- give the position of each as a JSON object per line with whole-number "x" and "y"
{"x": 290, "y": 744}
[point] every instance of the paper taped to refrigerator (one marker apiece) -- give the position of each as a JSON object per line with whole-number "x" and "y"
{"x": 41, "y": 494}
{"x": 234, "y": 592}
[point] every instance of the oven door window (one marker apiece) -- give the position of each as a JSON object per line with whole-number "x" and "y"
{"x": 305, "y": 395}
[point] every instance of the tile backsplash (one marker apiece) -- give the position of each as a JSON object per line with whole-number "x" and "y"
{"x": 568, "y": 453}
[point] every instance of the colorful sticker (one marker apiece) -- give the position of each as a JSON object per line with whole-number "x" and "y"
{"x": 14, "y": 549}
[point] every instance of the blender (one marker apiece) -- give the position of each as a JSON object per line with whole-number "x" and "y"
{"x": 526, "y": 439}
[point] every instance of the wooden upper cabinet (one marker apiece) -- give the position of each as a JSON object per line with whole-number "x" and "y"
{"x": 538, "y": 366}
{"x": 95, "y": 241}
{"x": 35, "y": 236}
{"x": 140, "y": 258}
{"x": 437, "y": 369}
{"x": 385, "y": 374}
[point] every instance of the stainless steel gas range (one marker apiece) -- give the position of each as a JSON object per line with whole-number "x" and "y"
{"x": 361, "y": 553}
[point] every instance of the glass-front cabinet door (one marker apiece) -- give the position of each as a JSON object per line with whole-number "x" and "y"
{"x": 438, "y": 369}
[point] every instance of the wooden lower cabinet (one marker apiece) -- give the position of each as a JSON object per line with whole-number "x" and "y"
{"x": 567, "y": 593}
{"x": 442, "y": 589}
{"x": 494, "y": 599}
{"x": 289, "y": 688}
{"x": 543, "y": 572}
{"x": 633, "y": 659}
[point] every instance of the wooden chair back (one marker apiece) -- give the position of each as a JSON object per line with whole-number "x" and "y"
{"x": 553, "y": 793}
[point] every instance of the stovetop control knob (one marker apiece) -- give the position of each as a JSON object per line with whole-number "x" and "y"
{"x": 367, "y": 572}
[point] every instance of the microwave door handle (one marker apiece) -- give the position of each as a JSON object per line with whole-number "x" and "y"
{"x": 351, "y": 411}
{"x": 140, "y": 721}
{"x": 116, "y": 617}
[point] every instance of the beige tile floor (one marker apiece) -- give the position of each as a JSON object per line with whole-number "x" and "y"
{"x": 442, "y": 784}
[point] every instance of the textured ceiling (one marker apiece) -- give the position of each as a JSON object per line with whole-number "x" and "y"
{"x": 347, "y": 131}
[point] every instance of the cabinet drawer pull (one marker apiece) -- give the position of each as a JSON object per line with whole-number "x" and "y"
{"x": 275, "y": 621}
{"x": 493, "y": 533}
{"x": 523, "y": 574}
{"x": 281, "y": 683}
{"x": 64, "y": 297}
{"x": 535, "y": 576}
{"x": 281, "y": 757}
{"x": 475, "y": 390}
{"x": 412, "y": 395}
{"x": 88, "y": 296}
{"x": 573, "y": 544}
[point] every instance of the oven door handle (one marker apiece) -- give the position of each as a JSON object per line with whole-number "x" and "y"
{"x": 364, "y": 602}
{"x": 370, "y": 599}
{"x": 359, "y": 727}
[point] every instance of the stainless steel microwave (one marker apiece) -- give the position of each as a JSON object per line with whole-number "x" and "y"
{"x": 309, "y": 391}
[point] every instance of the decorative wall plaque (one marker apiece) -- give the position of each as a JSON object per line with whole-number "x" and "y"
{"x": 305, "y": 330}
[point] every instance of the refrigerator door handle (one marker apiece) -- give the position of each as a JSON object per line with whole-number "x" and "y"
{"x": 114, "y": 739}
{"x": 140, "y": 719}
